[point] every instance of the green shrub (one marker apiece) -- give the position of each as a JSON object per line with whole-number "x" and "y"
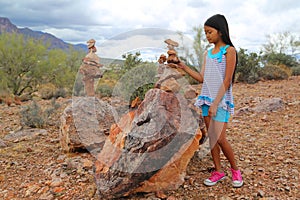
{"x": 60, "y": 92}
{"x": 248, "y": 66}
{"x": 105, "y": 90}
{"x": 136, "y": 82}
{"x": 35, "y": 117}
{"x": 47, "y": 91}
{"x": 296, "y": 71}
{"x": 275, "y": 72}
{"x": 78, "y": 89}
{"x": 141, "y": 91}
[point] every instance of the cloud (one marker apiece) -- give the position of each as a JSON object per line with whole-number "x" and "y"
{"x": 77, "y": 21}
{"x": 34, "y": 13}
{"x": 139, "y": 40}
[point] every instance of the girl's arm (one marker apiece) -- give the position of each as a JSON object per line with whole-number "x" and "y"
{"x": 230, "y": 66}
{"x": 195, "y": 75}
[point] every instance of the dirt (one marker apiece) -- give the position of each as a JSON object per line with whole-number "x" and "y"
{"x": 266, "y": 145}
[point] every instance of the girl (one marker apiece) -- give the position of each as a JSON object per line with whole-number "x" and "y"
{"x": 216, "y": 99}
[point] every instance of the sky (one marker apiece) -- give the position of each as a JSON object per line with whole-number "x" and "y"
{"x": 121, "y": 26}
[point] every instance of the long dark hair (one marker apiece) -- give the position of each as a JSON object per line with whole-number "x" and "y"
{"x": 219, "y": 22}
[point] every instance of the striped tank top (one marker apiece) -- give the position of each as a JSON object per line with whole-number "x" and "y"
{"x": 214, "y": 75}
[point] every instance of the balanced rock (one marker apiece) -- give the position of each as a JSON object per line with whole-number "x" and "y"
{"x": 168, "y": 79}
{"x": 85, "y": 124}
{"x": 149, "y": 149}
{"x": 170, "y": 85}
{"x": 190, "y": 92}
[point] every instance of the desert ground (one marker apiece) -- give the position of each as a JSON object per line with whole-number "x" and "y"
{"x": 266, "y": 144}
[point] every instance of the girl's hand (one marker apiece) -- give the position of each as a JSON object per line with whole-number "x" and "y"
{"x": 181, "y": 65}
{"x": 212, "y": 110}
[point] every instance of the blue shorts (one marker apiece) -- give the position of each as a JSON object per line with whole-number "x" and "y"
{"x": 221, "y": 116}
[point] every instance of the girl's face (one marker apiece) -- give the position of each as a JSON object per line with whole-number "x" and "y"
{"x": 212, "y": 34}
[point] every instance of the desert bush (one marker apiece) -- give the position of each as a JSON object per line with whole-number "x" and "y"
{"x": 78, "y": 88}
{"x": 47, "y": 91}
{"x": 60, "y": 92}
{"x": 295, "y": 71}
{"x": 35, "y": 117}
{"x": 275, "y": 72}
{"x": 105, "y": 90}
{"x": 280, "y": 59}
{"x": 141, "y": 91}
{"x": 248, "y": 66}
{"x": 136, "y": 81}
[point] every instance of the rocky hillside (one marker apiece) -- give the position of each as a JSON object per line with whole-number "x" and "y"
{"x": 7, "y": 26}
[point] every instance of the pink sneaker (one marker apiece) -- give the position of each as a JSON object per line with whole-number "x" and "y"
{"x": 237, "y": 180}
{"x": 214, "y": 178}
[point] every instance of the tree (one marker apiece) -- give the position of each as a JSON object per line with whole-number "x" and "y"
{"x": 62, "y": 68}
{"x": 282, "y": 43}
{"x": 200, "y": 45}
{"x": 21, "y": 62}
{"x": 131, "y": 60}
{"x": 194, "y": 57}
{"x": 281, "y": 50}
{"x": 27, "y": 63}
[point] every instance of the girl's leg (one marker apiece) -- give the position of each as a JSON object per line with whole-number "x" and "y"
{"x": 214, "y": 146}
{"x": 224, "y": 144}
{"x": 217, "y": 139}
{"x": 237, "y": 180}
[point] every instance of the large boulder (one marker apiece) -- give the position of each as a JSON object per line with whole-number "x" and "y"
{"x": 263, "y": 105}
{"x": 269, "y": 105}
{"x": 149, "y": 149}
{"x": 85, "y": 124}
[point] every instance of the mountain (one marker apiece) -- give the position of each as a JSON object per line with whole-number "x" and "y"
{"x": 8, "y": 27}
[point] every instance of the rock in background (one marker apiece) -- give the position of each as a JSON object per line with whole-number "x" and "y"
{"x": 149, "y": 149}
{"x": 85, "y": 124}
{"x": 263, "y": 105}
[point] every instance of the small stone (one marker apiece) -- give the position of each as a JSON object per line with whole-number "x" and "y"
{"x": 280, "y": 157}
{"x": 22, "y": 168}
{"x": 260, "y": 193}
{"x": 247, "y": 171}
{"x": 191, "y": 181}
{"x": 261, "y": 169}
{"x": 61, "y": 158}
{"x": 32, "y": 190}
{"x": 46, "y": 196}
{"x": 2, "y": 178}
{"x": 58, "y": 189}
{"x": 87, "y": 164}
{"x": 264, "y": 118}
{"x": 288, "y": 161}
{"x": 56, "y": 182}
{"x": 160, "y": 195}
{"x": 225, "y": 198}
{"x": 2, "y": 144}
{"x": 287, "y": 188}
{"x": 171, "y": 198}
{"x": 91, "y": 191}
